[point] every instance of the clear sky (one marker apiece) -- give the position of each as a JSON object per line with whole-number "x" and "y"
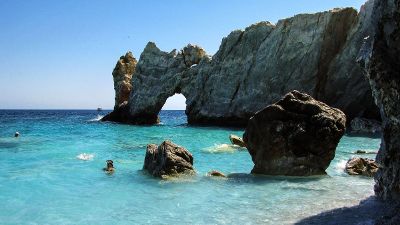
{"x": 60, "y": 54}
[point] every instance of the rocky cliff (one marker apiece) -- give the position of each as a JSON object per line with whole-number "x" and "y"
{"x": 312, "y": 53}
{"x": 380, "y": 56}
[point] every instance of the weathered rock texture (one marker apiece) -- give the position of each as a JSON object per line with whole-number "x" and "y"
{"x": 168, "y": 159}
{"x": 380, "y": 56}
{"x": 296, "y": 136}
{"x": 122, "y": 76}
{"x": 313, "y": 53}
{"x": 361, "y": 166}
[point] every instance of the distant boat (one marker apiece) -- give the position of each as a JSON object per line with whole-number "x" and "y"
{"x": 99, "y": 109}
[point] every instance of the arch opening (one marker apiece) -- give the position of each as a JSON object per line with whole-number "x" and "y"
{"x": 173, "y": 110}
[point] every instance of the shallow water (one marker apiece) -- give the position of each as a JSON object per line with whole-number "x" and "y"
{"x": 43, "y": 180}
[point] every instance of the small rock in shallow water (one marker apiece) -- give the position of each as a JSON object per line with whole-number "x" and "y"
{"x": 361, "y": 166}
{"x": 215, "y": 173}
{"x": 168, "y": 159}
{"x": 235, "y": 140}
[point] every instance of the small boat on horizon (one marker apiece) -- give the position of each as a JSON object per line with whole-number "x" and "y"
{"x": 99, "y": 109}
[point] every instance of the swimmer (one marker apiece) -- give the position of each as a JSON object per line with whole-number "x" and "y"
{"x": 16, "y": 134}
{"x": 110, "y": 167}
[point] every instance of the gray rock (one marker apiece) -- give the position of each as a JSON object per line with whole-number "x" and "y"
{"x": 365, "y": 126}
{"x": 380, "y": 56}
{"x": 361, "y": 166}
{"x": 168, "y": 159}
{"x": 235, "y": 140}
{"x": 255, "y": 67}
{"x": 296, "y": 136}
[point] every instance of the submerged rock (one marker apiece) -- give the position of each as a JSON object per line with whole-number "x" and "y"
{"x": 235, "y": 140}
{"x": 255, "y": 67}
{"x": 380, "y": 56}
{"x": 365, "y": 152}
{"x": 168, "y": 159}
{"x": 365, "y": 126}
{"x": 361, "y": 166}
{"x": 296, "y": 136}
{"x": 215, "y": 173}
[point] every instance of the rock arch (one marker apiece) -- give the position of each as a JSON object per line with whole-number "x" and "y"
{"x": 254, "y": 68}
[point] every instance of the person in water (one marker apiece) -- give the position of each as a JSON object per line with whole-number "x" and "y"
{"x": 110, "y": 167}
{"x": 16, "y": 134}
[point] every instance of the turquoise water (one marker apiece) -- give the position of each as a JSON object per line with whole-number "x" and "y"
{"x": 43, "y": 182}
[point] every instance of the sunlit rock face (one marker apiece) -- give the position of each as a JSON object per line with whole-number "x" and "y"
{"x": 122, "y": 75}
{"x": 312, "y": 53}
{"x": 380, "y": 56}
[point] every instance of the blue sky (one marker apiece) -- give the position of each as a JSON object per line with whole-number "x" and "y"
{"x": 60, "y": 54}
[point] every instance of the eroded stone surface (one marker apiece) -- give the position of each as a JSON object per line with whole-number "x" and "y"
{"x": 313, "y": 53}
{"x": 168, "y": 159}
{"x": 296, "y": 136}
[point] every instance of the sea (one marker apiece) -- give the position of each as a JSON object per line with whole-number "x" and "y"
{"x": 52, "y": 174}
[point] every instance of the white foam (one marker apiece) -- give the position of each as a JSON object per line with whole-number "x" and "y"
{"x": 85, "y": 156}
{"x": 340, "y": 166}
{"x": 98, "y": 118}
{"x": 221, "y": 148}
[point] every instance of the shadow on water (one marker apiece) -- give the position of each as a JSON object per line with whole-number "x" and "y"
{"x": 367, "y": 212}
{"x": 9, "y": 144}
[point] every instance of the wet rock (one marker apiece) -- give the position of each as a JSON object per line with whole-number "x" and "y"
{"x": 215, "y": 173}
{"x": 361, "y": 166}
{"x": 254, "y": 67}
{"x": 235, "y": 140}
{"x": 296, "y": 136}
{"x": 168, "y": 159}
{"x": 380, "y": 56}
{"x": 365, "y": 126}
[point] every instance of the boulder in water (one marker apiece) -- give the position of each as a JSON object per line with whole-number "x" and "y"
{"x": 235, "y": 140}
{"x": 168, "y": 159}
{"x": 361, "y": 166}
{"x": 296, "y": 136}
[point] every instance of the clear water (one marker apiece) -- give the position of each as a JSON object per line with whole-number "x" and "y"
{"x": 42, "y": 180}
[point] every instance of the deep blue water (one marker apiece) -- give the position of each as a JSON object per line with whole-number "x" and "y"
{"x": 42, "y": 180}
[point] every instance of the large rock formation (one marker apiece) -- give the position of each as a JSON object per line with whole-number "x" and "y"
{"x": 380, "y": 56}
{"x": 122, "y": 75}
{"x": 254, "y": 67}
{"x": 296, "y": 136}
{"x": 168, "y": 159}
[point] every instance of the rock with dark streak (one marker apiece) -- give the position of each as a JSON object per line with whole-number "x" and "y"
{"x": 296, "y": 136}
{"x": 168, "y": 159}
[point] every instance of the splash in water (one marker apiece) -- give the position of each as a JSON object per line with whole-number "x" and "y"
{"x": 222, "y": 148}
{"x": 85, "y": 156}
{"x": 98, "y": 118}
